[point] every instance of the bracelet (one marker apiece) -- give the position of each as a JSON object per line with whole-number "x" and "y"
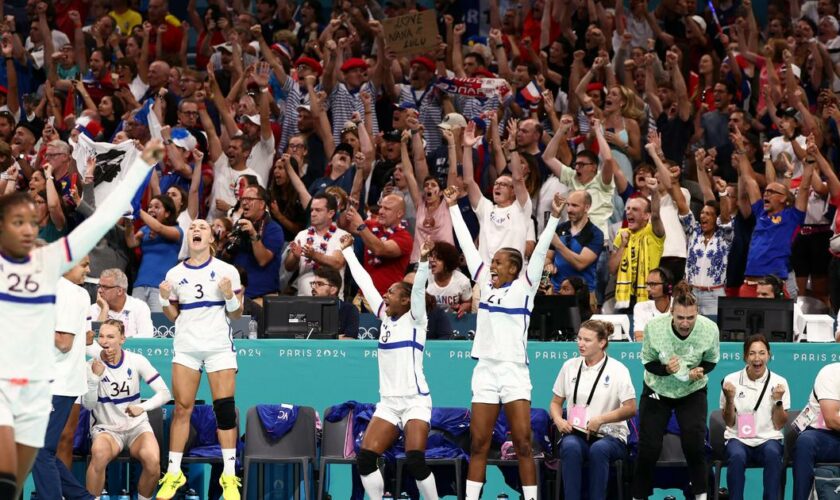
{"x": 163, "y": 302}
{"x": 264, "y": 90}
{"x": 232, "y": 304}
{"x": 766, "y": 157}
{"x": 723, "y": 194}
{"x": 50, "y": 178}
{"x": 788, "y": 175}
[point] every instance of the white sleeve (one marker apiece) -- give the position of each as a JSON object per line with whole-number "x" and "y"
{"x": 143, "y": 320}
{"x": 418, "y": 292}
{"x": 154, "y": 124}
{"x": 82, "y": 240}
{"x": 155, "y": 381}
{"x": 89, "y": 399}
{"x": 537, "y": 262}
{"x": 786, "y": 395}
{"x": 464, "y": 238}
{"x": 626, "y": 389}
{"x": 465, "y": 289}
{"x": 558, "y": 389}
{"x": 365, "y": 283}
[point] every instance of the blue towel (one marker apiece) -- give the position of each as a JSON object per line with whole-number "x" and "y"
{"x": 277, "y": 420}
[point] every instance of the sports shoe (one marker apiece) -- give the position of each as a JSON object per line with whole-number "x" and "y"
{"x": 169, "y": 485}
{"x": 230, "y": 486}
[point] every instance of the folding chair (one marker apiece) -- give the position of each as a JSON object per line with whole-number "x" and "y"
{"x": 298, "y": 447}
{"x": 332, "y": 448}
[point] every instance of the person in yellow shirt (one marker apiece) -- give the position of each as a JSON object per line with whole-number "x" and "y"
{"x": 125, "y": 17}
{"x": 638, "y": 248}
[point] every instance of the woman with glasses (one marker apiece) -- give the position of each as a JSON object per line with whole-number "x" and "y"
{"x": 659, "y": 285}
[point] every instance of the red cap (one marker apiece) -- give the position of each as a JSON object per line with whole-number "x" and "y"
{"x": 485, "y": 73}
{"x": 353, "y": 63}
{"x": 595, "y": 86}
{"x": 313, "y": 64}
{"x": 424, "y": 61}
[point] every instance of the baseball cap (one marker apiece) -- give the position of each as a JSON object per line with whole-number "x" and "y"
{"x": 452, "y": 120}
{"x": 255, "y": 119}
{"x": 227, "y": 47}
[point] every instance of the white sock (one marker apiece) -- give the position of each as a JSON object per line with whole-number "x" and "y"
{"x": 428, "y": 488}
{"x": 229, "y": 460}
{"x": 473, "y": 490}
{"x": 174, "y": 462}
{"x": 141, "y": 497}
{"x": 374, "y": 485}
{"x": 701, "y": 496}
{"x": 529, "y": 492}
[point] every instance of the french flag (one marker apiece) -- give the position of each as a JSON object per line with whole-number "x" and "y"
{"x": 531, "y": 93}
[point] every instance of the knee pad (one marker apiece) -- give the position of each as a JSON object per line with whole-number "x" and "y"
{"x": 416, "y": 464}
{"x": 366, "y": 461}
{"x": 225, "y": 410}
{"x": 8, "y": 485}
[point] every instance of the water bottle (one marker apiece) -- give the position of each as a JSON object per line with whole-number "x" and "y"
{"x": 252, "y": 328}
{"x": 104, "y": 495}
{"x": 124, "y": 495}
{"x": 191, "y": 495}
{"x": 502, "y": 496}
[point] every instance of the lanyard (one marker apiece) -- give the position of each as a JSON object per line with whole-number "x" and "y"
{"x": 419, "y": 102}
{"x": 763, "y": 390}
{"x": 577, "y": 381}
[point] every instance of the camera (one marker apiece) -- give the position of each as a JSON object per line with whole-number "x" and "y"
{"x": 235, "y": 238}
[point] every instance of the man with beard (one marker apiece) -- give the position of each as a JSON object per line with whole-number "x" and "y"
{"x": 578, "y": 243}
{"x": 228, "y": 168}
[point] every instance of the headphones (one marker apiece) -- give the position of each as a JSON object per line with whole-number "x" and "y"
{"x": 776, "y": 283}
{"x": 667, "y": 280}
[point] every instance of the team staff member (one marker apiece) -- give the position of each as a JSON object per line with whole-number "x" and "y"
{"x": 501, "y": 375}
{"x": 600, "y": 398}
{"x": 201, "y": 295}
{"x": 754, "y": 403}
{"x": 404, "y": 394}
{"x": 820, "y": 440}
{"x": 678, "y": 351}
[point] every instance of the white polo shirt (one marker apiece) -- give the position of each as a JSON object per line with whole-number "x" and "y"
{"x": 746, "y": 395}
{"x": 645, "y": 311}
{"x": 135, "y": 315}
{"x": 614, "y": 388}
{"x": 825, "y": 386}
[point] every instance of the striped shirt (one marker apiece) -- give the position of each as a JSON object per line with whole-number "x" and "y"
{"x": 344, "y": 102}
{"x": 431, "y": 113}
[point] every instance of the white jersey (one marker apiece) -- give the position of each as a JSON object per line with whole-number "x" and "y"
{"x": 504, "y": 313}
{"x": 450, "y": 297}
{"x": 401, "y": 340}
{"x": 202, "y": 324}
{"x": 225, "y": 185}
{"x": 118, "y": 388}
{"x": 28, "y": 286}
{"x": 72, "y": 306}
{"x": 502, "y": 227}
{"x": 135, "y": 316}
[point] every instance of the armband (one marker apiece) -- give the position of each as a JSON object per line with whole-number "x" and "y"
{"x": 232, "y": 304}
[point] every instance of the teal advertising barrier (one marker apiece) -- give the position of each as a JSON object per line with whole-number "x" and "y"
{"x": 322, "y": 373}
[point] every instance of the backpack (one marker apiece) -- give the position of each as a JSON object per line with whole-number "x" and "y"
{"x": 826, "y": 483}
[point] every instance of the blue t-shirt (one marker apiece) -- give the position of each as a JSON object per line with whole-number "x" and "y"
{"x": 159, "y": 256}
{"x": 771, "y": 241}
{"x": 344, "y": 181}
{"x": 262, "y": 279}
{"x": 348, "y": 320}
{"x": 589, "y": 237}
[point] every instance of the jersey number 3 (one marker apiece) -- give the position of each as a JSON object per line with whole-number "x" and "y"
{"x": 21, "y": 284}
{"x": 117, "y": 389}
{"x": 199, "y": 291}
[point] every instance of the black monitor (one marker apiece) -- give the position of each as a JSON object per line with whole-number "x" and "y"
{"x": 300, "y": 317}
{"x": 738, "y": 318}
{"x": 555, "y": 317}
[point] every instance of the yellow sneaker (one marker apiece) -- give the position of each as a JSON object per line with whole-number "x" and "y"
{"x": 230, "y": 486}
{"x": 169, "y": 485}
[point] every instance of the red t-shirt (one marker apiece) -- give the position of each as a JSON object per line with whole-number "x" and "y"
{"x": 62, "y": 22}
{"x": 171, "y": 39}
{"x": 386, "y": 271}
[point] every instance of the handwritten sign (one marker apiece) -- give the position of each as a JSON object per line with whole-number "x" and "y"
{"x": 411, "y": 33}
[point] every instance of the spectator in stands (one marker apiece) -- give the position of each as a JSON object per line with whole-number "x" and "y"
{"x": 160, "y": 240}
{"x": 387, "y": 243}
{"x": 777, "y": 218}
{"x": 113, "y": 302}
{"x": 659, "y": 285}
{"x": 578, "y": 243}
{"x": 327, "y": 282}
{"x": 167, "y": 27}
{"x": 448, "y": 285}
{"x": 754, "y": 419}
{"x": 819, "y": 440}
{"x": 574, "y": 286}
{"x": 637, "y": 249}
{"x": 317, "y": 246}
{"x": 227, "y": 170}
{"x": 258, "y": 244}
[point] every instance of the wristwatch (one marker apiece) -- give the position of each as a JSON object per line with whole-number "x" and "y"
{"x": 361, "y": 227}
{"x": 778, "y": 403}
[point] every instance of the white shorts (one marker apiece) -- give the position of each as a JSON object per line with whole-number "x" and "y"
{"x": 495, "y": 382}
{"x": 26, "y": 408}
{"x": 124, "y": 439}
{"x": 398, "y": 410}
{"x": 211, "y": 361}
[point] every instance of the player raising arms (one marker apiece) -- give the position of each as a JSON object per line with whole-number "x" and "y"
{"x": 200, "y": 295}
{"x": 404, "y": 395}
{"x": 501, "y": 336}
{"x": 120, "y": 418}
{"x": 28, "y": 280}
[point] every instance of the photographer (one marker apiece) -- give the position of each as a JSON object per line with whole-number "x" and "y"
{"x": 256, "y": 243}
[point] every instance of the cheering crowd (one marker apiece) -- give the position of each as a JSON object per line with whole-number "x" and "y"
{"x": 683, "y": 153}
